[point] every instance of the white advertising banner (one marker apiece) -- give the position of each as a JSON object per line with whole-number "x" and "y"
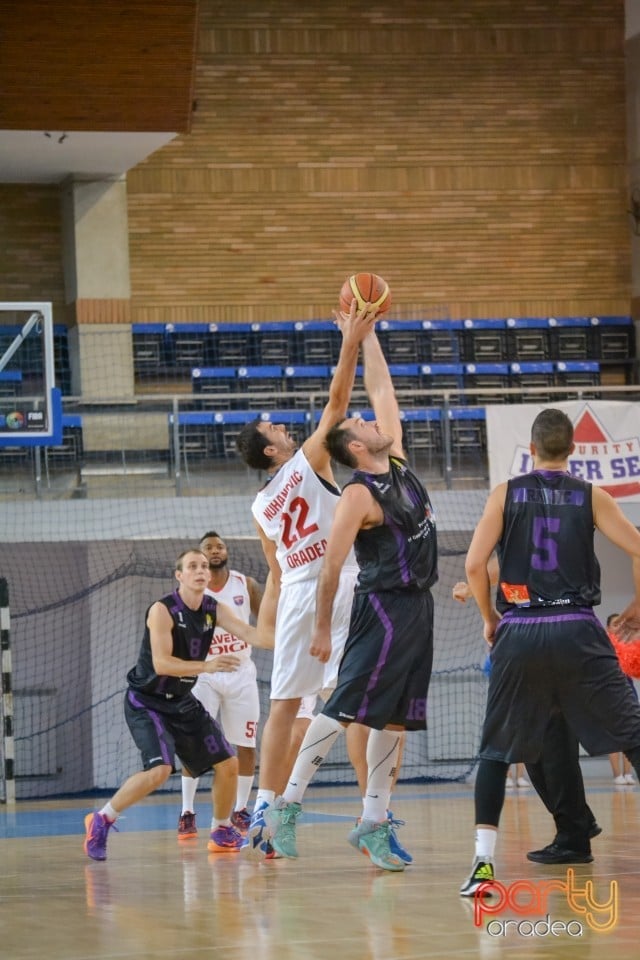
{"x": 606, "y": 435}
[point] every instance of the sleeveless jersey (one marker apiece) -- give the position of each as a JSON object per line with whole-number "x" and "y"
{"x": 402, "y": 552}
{"x": 546, "y": 550}
{"x": 234, "y": 595}
{"x": 295, "y": 509}
{"x": 192, "y": 634}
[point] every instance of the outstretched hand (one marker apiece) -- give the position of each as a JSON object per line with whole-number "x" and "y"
{"x": 356, "y": 323}
{"x": 224, "y": 663}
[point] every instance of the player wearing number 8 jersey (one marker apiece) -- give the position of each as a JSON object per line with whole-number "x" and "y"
{"x": 549, "y": 651}
{"x": 293, "y": 514}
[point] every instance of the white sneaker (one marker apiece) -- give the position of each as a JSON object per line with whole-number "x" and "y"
{"x": 509, "y": 783}
{"x": 523, "y": 782}
{"x": 630, "y": 779}
{"x": 620, "y": 780}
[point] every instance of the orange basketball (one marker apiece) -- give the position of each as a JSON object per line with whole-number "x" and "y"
{"x": 365, "y": 288}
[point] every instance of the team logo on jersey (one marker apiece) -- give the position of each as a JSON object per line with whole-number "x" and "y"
{"x": 238, "y": 601}
{"x": 208, "y": 620}
{"x": 599, "y": 457}
{"x": 516, "y": 593}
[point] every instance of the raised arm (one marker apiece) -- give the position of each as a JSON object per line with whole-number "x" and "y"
{"x": 381, "y": 392}
{"x": 354, "y": 328}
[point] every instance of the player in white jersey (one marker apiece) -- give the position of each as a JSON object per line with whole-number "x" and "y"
{"x": 234, "y": 695}
{"x": 293, "y": 514}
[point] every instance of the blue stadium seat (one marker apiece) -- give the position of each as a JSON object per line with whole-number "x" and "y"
{"x": 148, "y": 341}
{"x": 486, "y": 376}
{"x": 443, "y": 341}
{"x": 188, "y": 346}
{"x": 578, "y": 374}
{"x": 442, "y": 376}
{"x": 231, "y": 344}
{"x": 215, "y": 385}
{"x": 422, "y": 434}
{"x": 265, "y": 384}
{"x": 407, "y": 379}
{"x": 569, "y": 338}
{"x": 527, "y": 375}
{"x": 528, "y": 339}
{"x": 401, "y": 340}
{"x": 274, "y": 343}
{"x": 468, "y": 438}
{"x": 485, "y": 341}
{"x": 318, "y": 342}
{"x": 305, "y": 381}
{"x": 612, "y": 339}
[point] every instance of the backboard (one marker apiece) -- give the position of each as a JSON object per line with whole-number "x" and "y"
{"x": 30, "y": 403}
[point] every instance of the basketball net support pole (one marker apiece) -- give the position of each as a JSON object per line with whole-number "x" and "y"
{"x": 7, "y": 695}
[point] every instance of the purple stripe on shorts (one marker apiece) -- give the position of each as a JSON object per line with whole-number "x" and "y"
{"x": 382, "y": 659}
{"x": 157, "y": 722}
{"x": 557, "y": 618}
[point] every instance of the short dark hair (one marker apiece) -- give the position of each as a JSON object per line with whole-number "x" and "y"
{"x": 337, "y": 443}
{"x": 210, "y": 534}
{"x": 552, "y": 434}
{"x": 611, "y": 617}
{"x": 251, "y": 443}
{"x": 182, "y": 555}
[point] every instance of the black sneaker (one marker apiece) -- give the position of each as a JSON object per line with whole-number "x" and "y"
{"x": 594, "y": 830}
{"x": 481, "y": 872}
{"x": 554, "y": 853}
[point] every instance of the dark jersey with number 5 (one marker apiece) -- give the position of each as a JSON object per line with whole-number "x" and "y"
{"x": 192, "y": 634}
{"x": 546, "y": 551}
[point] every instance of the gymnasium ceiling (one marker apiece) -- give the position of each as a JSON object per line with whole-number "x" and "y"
{"x": 90, "y": 88}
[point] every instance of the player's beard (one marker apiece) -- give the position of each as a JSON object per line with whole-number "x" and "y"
{"x": 217, "y": 565}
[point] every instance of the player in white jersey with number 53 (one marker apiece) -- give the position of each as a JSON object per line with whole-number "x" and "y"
{"x": 293, "y": 513}
{"x": 234, "y": 696}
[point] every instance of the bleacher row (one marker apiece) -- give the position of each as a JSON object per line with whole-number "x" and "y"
{"x": 212, "y": 434}
{"x": 174, "y": 349}
{"x": 228, "y": 387}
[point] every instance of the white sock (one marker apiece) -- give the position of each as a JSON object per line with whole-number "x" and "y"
{"x": 264, "y": 796}
{"x": 485, "y": 843}
{"x": 189, "y": 787}
{"x": 382, "y": 759}
{"x": 220, "y": 823}
{"x": 318, "y": 740}
{"x": 108, "y": 812}
{"x": 244, "y": 789}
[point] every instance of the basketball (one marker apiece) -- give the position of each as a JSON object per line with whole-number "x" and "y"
{"x": 365, "y": 288}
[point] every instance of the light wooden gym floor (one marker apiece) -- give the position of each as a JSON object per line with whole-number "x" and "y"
{"x": 157, "y": 898}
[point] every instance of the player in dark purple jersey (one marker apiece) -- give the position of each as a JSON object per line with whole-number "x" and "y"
{"x": 549, "y": 651}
